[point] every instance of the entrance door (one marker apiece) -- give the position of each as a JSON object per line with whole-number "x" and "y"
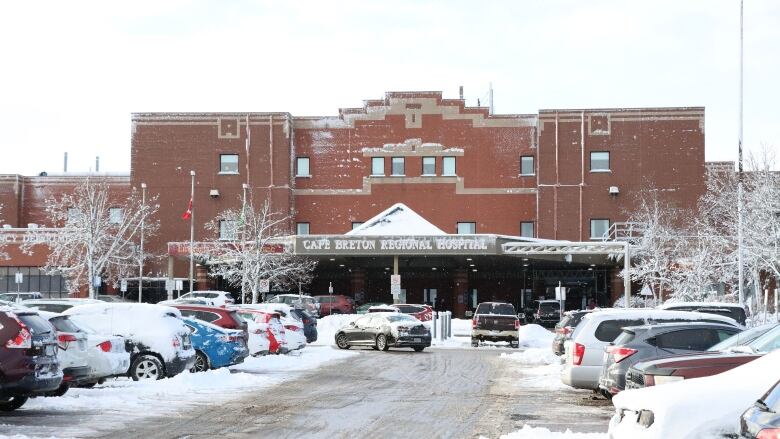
{"x": 429, "y": 296}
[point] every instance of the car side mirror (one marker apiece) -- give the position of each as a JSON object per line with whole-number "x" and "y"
{"x": 352, "y": 324}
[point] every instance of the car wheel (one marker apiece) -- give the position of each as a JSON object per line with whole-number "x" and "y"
{"x": 474, "y": 343}
{"x": 146, "y": 367}
{"x": 418, "y": 348}
{"x": 341, "y": 341}
{"x": 201, "y": 362}
{"x": 11, "y": 403}
{"x": 381, "y": 342}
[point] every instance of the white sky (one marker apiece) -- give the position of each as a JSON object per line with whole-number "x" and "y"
{"x": 72, "y": 72}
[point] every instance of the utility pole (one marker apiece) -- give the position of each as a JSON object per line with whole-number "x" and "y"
{"x": 740, "y": 195}
{"x": 141, "y": 256}
{"x": 192, "y": 229}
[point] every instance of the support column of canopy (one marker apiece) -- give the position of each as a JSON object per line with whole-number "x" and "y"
{"x": 460, "y": 291}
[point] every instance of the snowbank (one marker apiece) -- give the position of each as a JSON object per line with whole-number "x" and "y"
{"x": 535, "y": 336}
{"x": 677, "y": 407}
{"x": 528, "y": 432}
{"x": 328, "y": 325}
{"x": 533, "y": 356}
{"x": 547, "y": 373}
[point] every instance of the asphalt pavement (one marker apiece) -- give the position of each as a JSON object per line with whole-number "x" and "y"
{"x": 447, "y": 393}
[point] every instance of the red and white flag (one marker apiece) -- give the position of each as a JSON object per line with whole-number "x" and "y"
{"x": 188, "y": 214}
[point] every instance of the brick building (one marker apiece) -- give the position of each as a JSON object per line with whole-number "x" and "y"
{"x": 558, "y": 175}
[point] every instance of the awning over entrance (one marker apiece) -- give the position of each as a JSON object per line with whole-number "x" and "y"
{"x": 399, "y": 219}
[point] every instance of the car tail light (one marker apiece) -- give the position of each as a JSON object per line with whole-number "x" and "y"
{"x": 64, "y": 340}
{"x": 474, "y": 323}
{"x": 649, "y": 380}
{"x": 228, "y": 338}
{"x": 517, "y": 323}
{"x": 306, "y": 321}
{"x": 769, "y": 433}
{"x": 620, "y": 353}
{"x": 578, "y": 354}
{"x": 176, "y": 342}
{"x": 291, "y": 327}
{"x": 105, "y": 346}
{"x": 23, "y": 339}
{"x": 566, "y": 330}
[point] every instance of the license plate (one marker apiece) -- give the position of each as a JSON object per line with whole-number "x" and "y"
{"x": 417, "y": 340}
{"x": 495, "y": 322}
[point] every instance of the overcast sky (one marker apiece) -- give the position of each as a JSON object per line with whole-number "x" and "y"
{"x": 72, "y": 72}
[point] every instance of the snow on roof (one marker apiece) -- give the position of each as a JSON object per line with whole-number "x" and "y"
{"x": 671, "y": 304}
{"x": 398, "y": 219}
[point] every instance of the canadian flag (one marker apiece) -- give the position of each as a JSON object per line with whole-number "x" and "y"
{"x": 188, "y": 214}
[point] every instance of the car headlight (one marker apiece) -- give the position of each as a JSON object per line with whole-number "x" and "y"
{"x": 646, "y": 418}
{"x": 666, "y": 379}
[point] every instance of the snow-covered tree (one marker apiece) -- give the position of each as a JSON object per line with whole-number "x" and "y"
{"x": 97, "y": 234}
{"x": 252, "y": 244}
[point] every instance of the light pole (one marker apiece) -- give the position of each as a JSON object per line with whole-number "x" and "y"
{"x": 141, "y": 255}
{"x": 244, "y": 187}
{"x": 192, "y": 228}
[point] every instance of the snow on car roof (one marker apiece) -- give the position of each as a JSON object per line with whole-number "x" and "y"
{"x": 668, "y": 304}
{"x": 655, "y": 314}
{"x": 209, "y": 325}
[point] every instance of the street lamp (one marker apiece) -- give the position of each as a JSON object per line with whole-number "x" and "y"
{"x": 141, "y": 256}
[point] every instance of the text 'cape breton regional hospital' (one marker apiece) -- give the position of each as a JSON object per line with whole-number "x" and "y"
{"x": 412, "y": 183}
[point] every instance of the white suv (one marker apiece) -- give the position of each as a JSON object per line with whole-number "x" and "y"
{"x": 584, "y": 355}
{"x": 213, "y": 298}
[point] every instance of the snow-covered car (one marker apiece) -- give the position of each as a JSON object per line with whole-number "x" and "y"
{"x": 584, "y": 352}
{"x": 19, "y": 297}
{"x": 57, "y": 305}
{"x": 71, "y": 351}
{"x": 382, "y": 308}
{"x": 266, "y": 331}
{"x": 107, "y": 355}
{"x": 158, "y": 340}
{"x": 294, "y": 336}
{"x": 382, "y": 331}
{"x": 213, "y": 298}
{"x": 706, "y": 407}
{"x": 215, "y": 346}
{"x": 310, "y": 304}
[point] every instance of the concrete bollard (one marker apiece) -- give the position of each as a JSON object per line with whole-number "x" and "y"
{"x": 433, "y": 324}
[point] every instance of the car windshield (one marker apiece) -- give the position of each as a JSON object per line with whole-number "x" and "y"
{"x": 408, "y": 309}
{"x": 496, "y": 308}
{"x": 401, "y": 318}
{"x": 549, "y": 306}
{"x": 50, "y": 307}
{"x": 741, "y": 338}
{"x": 767, "y": 342}
{"x": 36, "y": 323}
{"x": 63, "y": 324}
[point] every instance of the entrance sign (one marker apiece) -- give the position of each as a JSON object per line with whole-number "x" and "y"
{"x": 560, "y": 293}
{"x": 123, "y": 285}
{"x": 19, "y": 278}
{"x": 264, "y": 285}
{"x": 395, "y": 245}
{"x": 395, "y": 285}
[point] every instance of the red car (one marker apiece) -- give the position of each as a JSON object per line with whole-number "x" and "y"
{"x": 222, "y": 317}
{"x": 335, "y": 304}
{"x": 423, "y": 313}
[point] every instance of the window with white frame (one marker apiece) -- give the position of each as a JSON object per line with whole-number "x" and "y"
{"x": 467, "y": 228}
{"x": 527, "y": 229}
{"x": 115, "y": 215}
{"x": 302, "y": 167}
{"x": 398, "y": 166}
{"x": 429, "y": 166}
{"x": 527, "y": 165}
{"x": 599, "y": 161}
{"x": 302, "y": 228}
{"x": 227, "y": 230}
{"x": 599, "y": 227}
{"x": 448, "y": 166}
{"x": 378, "y": 166}
{"x": 228, "y": 163}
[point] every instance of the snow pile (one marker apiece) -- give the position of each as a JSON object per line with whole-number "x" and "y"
{"x": 461, "y": 327}
{"x": 535, "y": 336}
{"x": 328, "y": 326}
{"x": 398, "y": 219}
{"x": 151, "y": 325}
{"x": 677, "y": 407}
{"x": 533, "y": 356}
{"x": 528, "y": 432}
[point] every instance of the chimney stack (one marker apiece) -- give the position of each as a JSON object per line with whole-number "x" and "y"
{"x": 461, "y": 92}
{"x": 65, "y": 163}
{"x": 97, "y": 164}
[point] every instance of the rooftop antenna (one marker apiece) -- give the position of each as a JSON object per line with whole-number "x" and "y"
{"x": 461, "y": 92}
{"x": 65, "y": 163}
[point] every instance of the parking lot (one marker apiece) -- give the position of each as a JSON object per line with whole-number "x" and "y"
{"x": 436, "y": 393}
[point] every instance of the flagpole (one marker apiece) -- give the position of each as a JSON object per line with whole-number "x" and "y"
{"x": 192, "y": 228}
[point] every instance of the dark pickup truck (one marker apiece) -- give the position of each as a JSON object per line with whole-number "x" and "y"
{"x": 495, "y": 321}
